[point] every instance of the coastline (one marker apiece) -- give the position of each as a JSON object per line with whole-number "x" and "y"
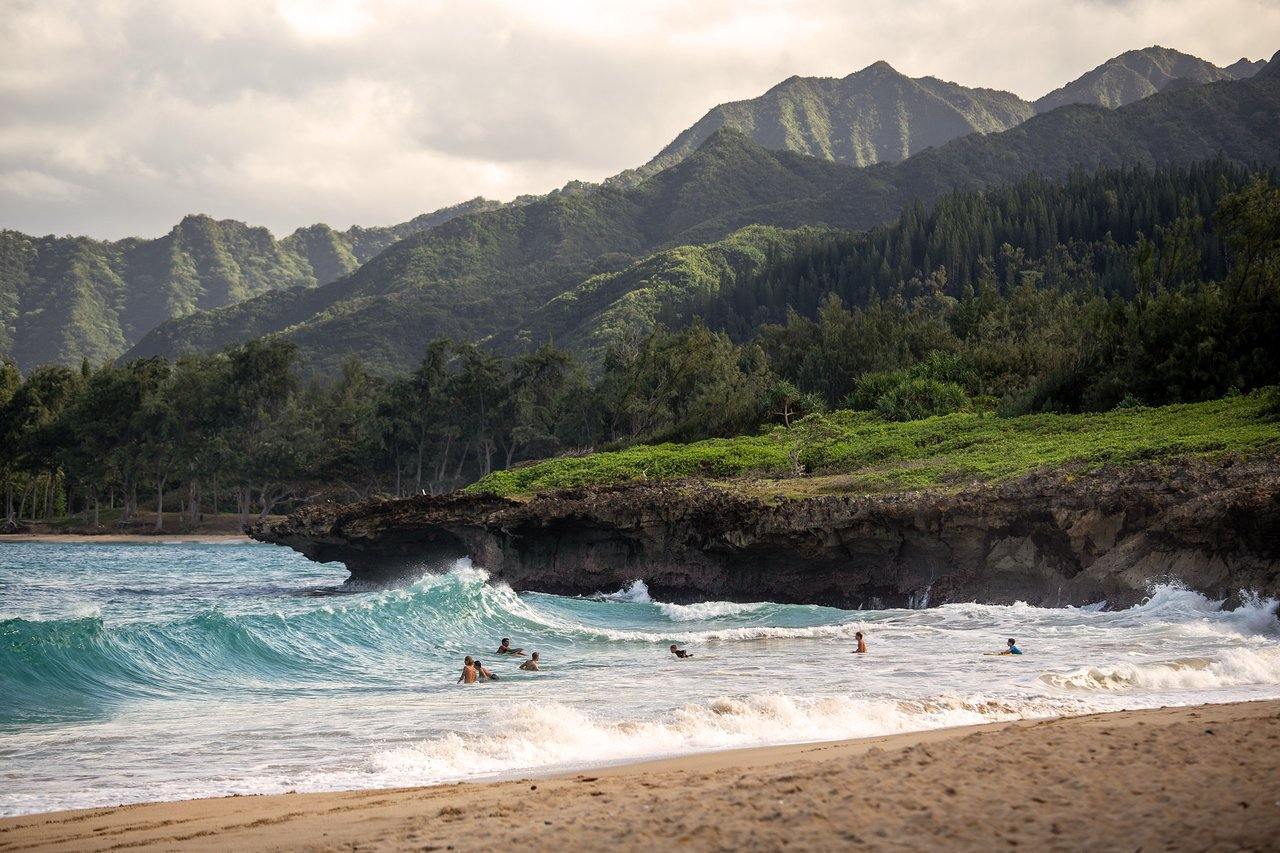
{"x": 133, "y": 538}
{"x": 1192, "y": 777}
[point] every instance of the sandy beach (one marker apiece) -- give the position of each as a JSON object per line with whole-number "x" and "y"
{"x": 1195, "y": 778}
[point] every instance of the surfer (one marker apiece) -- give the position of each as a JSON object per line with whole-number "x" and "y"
{"x": 504, "y": 648}
{"x": 484, "y": 674}
{"x": 862, "y": 644}
{"x": 1013, "y": 648}
{"x": 680, "y": 653}
{"x": 469, "y": 675}
{"x": 531, "y": 665}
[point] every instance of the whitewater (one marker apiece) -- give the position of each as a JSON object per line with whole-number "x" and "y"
{"x": 169, "y": 671}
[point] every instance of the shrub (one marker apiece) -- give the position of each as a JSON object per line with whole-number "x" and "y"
{"x": 914, "y": 399}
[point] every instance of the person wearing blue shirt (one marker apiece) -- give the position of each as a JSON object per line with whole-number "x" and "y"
{"x": 1013, "y": 648}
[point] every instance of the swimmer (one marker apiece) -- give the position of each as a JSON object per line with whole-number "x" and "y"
{"x": 531, "y": 665}
{"x": 1013, "y": 648}
{"x": 505, "y": 648}
{"x": 862, "y": 645}
{"x": 469, "y": 675}
{"x": 484, "y": 674}
{"x": 680, "y": 653}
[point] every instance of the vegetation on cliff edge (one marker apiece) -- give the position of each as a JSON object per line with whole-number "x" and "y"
{"x": 860, "y": 452}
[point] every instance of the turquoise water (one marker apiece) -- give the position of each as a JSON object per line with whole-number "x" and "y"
{"x": 144, "y": 672}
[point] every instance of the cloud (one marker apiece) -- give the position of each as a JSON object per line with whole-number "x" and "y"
{"x": 118, "y": 117}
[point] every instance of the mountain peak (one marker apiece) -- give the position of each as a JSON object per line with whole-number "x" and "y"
{"x": 1272, "y": 69}
{"x": 1244, "y": 68}
{"x": 879, "y": 68}
{"x": 870, "y": 116}
{"x": 1132, "y": 76}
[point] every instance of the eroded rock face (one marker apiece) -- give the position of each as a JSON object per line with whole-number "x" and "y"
{"x": 1052, "y": 538}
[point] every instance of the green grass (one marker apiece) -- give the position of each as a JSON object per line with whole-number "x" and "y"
{"x": 859, "y": 452}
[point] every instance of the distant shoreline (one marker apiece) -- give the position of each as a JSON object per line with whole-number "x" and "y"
{"x": 149, "y": 538}
{"x": 1067, "y": 783}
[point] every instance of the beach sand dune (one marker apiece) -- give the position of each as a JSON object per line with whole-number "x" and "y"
{"x": 1198, "y": 778}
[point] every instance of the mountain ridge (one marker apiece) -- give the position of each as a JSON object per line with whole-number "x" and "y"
{"x": 477, "y": 277}
{"x": 63, "y": 299}
{"x": 1131, "y": 76}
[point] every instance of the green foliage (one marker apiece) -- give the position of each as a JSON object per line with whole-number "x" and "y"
{"x": 67, "y": 298}
{"x": 861, "y": 452}
{"x": 481, "y": 276}
{"x": 874, "y": 115}
{"x": 918, "y": 397}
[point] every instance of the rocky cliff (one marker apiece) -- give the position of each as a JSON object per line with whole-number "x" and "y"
{"x": 1052, "y": 538}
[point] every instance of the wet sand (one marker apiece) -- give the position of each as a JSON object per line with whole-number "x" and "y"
{"x": 1198, "y": 778}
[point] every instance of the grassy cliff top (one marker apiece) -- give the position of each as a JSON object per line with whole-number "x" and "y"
{"x": 857, "y": 452}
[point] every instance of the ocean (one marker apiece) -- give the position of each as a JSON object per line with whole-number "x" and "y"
{"x": 165, "y": 671}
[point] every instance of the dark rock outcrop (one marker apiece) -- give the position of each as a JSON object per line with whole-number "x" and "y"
{"x": 1052, "y": 538}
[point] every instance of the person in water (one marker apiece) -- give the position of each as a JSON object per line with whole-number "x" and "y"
{"x": 1013, "y": 648}
{"x": 504, "y": 648}
{"x": 680, "y": 653}
{"x": 484, "y": 674}
{"x": 862, "y": 644}
{"x": 469, "y": 675}
{"x": 531, "y": 665}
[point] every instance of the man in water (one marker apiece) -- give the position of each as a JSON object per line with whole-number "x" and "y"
{"x": 469, "y": 675}
{"x": 680, "y": 653}
{"x": 862, "y": 645}
{"x": 484, "y": 674}
{"x": 531, "y": 665}
{"x": 505, "y": 648}
{"x": 1013, "y": 648}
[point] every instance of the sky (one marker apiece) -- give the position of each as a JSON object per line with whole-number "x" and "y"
{"x": 118, "y": 117}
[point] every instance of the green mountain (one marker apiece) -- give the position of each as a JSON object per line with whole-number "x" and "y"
{"x": 1244, "y": 68}
{"x": 67, "y": 298}
{"x": 563, "y": 268}
{"x": 874, "y": 115}
{"x": 475, "y": 275}
{"x": 1134, "y": 75}
{"x": 1271, "y": 70}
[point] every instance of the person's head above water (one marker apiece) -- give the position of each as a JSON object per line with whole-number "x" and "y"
{"x": 468, "y": 661}
{"x": 673, "y": 647}
{"x": 506, "y": 641}
{"x": 858, "y": 635}
{"x": 535, "y": 655}
{"x": 1012, "y": 641}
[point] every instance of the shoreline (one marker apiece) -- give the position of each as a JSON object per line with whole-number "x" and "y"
{"x": 134, "y": 538}
{"x": 1185, "y": 777}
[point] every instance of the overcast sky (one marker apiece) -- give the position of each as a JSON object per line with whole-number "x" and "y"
{"x": 118, "y": 117}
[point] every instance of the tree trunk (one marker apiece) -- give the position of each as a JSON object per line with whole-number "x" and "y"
{"x": 95, "y": 508}
{"x": 160, "y": 504}
{"x": 398, "y": 466}
{"x": 48, "y": 497}
{"x": 417, "y": 476}
{"x": 26, "y": 493}
{"x": 193, "y": 500}
{"x": 9, "y": 517}
{"x": 462, "y": 461}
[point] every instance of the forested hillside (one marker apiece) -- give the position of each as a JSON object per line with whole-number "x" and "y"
{"x": 63, "y": 299}
{"x": 1120, "y": 289}
{"x": 1136, "y": 74}
{"x": 879, "y": 115}
{"x": 875, "y": 115}
{"x": 488, "y": 275}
